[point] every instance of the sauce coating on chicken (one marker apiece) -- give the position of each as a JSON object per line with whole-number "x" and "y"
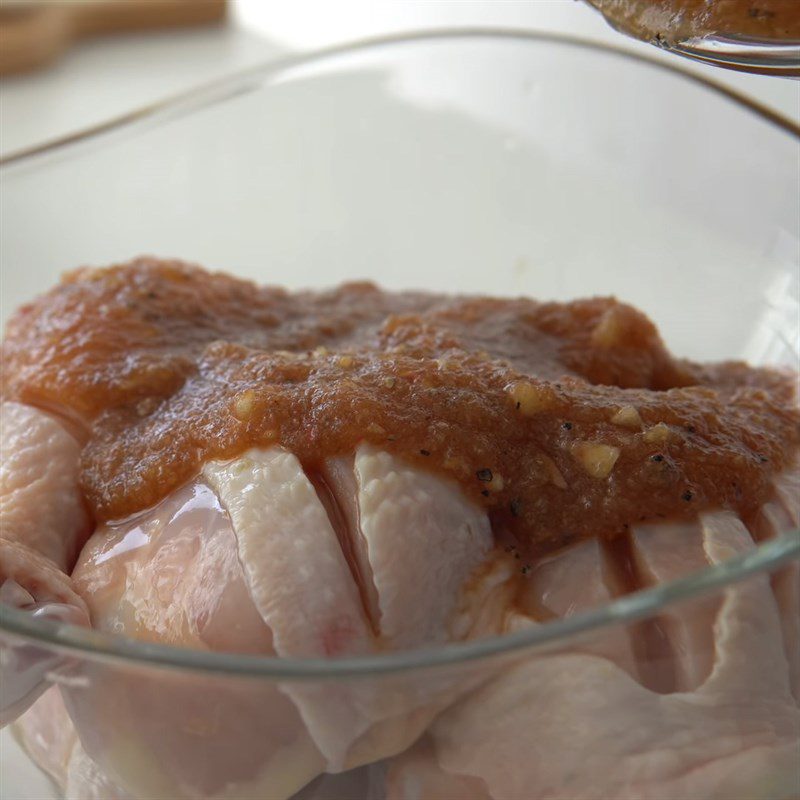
{"x": 562, "y": 420}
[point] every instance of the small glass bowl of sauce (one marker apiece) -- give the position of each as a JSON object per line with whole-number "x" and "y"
{"x": 760, "y": 36}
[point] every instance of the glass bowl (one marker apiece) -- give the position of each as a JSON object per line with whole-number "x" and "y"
{"x": 469, "y": 161}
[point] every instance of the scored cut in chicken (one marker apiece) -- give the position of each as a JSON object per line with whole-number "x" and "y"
{"x": 734, "y": 734}
{"x": 228, "y": 563}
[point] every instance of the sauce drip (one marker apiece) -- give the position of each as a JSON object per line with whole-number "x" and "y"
{"x": 562, "y": 420}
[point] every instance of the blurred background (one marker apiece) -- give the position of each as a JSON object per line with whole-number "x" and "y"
{"x": 59, "y": 77}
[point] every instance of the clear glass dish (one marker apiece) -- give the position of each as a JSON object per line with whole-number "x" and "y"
{"x": 474, "y": 161}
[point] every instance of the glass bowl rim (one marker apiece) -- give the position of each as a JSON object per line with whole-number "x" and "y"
{"x": 215, "y": 91}
{"x": 98, "y": 646}
{"x": 77, "y": 642}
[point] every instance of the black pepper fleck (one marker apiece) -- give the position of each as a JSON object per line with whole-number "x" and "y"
{"x": 691, "y": 429}
{"x": 424, "y": 452}
{"x": 485, "y": 492}
{"x": 516, "y": 507}
{"x": 567, "y": 426}
{"x": 657, "y": 457}
{"x": 687, "y": 496}
{"x": 484, "y": 475}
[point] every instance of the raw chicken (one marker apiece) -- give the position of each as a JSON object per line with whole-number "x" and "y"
{"x": 782, "y": 514}
{"x": 226, "y": 564}
{"x": 401, "y": 560}
{"x": 173, "y": 576}
{"x": 48, "y": 735}
{"x": 734, "y": 734}
{"x": 41, "y": 504}
{"x": 43, "y": 524}
{"x": 579, "y": 578}
{"x": 347, "y": 474}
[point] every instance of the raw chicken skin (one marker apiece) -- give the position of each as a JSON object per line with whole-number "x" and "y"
{"x": 226, "y": 564}
{"x": 782, "y": 514}
{"x": 48, "y": 735}
{"x": 43, "y": 523}
{"x": 663, "y": 553}
{"x": 286, "y": 545}
{"x": 579, "y": 578}
{"x": 735, "y": 735}
{"x": 46, "y": 732}
{"x": 417, "y": 542}
{"x": 41, "y": 504}
{"x": 418, "y": 775}
{"x": 173, "y": 576}
{"x": 424, "y": 541}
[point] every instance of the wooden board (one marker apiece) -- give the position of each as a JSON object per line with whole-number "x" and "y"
{"x": 33, "y": 34}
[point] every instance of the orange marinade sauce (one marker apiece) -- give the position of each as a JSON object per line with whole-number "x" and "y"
{"x": 673, "y": 21}
{"x": 562, "y": 420}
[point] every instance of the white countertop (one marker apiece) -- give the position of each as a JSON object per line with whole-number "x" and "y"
{"x": 102, "y": 79}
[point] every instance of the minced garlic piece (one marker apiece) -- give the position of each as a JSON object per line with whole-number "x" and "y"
{"x": 611, "y": 329}
{"x": 244, "y": 404}
{"x": 657, "y": 434}
{"x": 496, "y": 484}
{"x": 146, "y": 406}
{"x": 531, "y": 398}
{"x": 555, "y": 475}
{"x": 597, "y": 459}
{"x": 627, "y": 417}
{"x": 345, "y": 362}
